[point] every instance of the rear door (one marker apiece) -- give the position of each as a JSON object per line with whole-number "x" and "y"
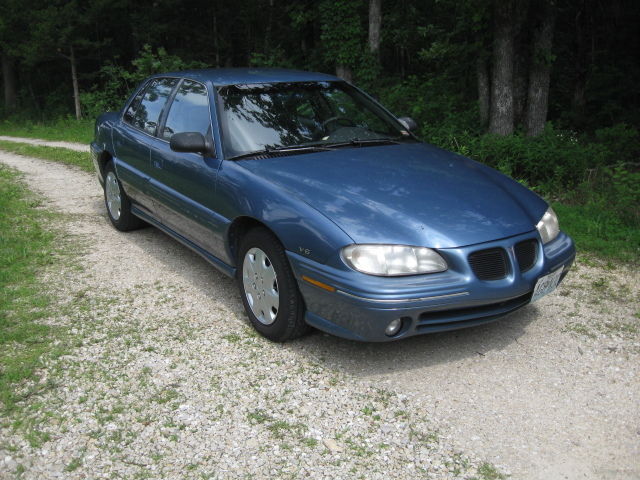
{"x": 133, "y": 135}
{"x": 184, "y": 184}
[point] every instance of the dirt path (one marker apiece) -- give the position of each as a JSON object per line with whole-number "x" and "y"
{"x": 550, "y": 392}
{"x": 78, "y": 147}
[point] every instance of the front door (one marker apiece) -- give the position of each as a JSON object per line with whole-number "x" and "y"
{"x": 184, "y": 184}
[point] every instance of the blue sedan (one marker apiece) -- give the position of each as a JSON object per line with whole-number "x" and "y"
{"x": 325, "y": 207}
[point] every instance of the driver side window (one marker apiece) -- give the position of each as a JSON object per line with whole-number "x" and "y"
{"x": 189, "y": 111}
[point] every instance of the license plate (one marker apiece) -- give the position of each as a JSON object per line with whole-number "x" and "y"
{"x": 546, "y": 284}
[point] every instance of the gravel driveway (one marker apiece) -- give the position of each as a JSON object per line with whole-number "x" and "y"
{"x": 167, "y": 379}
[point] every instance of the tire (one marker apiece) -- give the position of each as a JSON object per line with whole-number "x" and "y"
{"x": 268, "y": 288}
{"x": 117, "y": 203}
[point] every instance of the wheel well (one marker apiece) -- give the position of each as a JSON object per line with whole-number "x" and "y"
{"x": 238, "y": 229}
{"x": 104, "y": 158}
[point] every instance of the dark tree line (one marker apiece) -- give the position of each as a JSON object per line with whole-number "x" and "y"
{"x": 515, "y": 63}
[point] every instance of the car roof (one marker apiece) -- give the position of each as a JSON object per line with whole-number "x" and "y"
{"x": 238, "y": 76}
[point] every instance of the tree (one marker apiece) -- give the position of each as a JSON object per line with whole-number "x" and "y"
{"x": 9, "y": 82}
{"x": 12, "y": 24}
{"x": 484, "y": 90}
{"x": 540, "y": 72}
{"x": 501, "y": 119}
{"x": 375, "y": 23}
{"x": 60, "y": 30}
{"x": 342, "y": 35}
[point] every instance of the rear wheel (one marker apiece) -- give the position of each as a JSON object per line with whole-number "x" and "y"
{"x": 117, "y": 203}
{"x": 268, "y": 288}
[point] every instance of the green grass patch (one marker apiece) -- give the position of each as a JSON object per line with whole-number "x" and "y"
{"x": 489, "y": 472}
{"x": 600, "y": 231}
{"x": 61, "y": 129}
{"x": 26, "y": 246}
{"x": 55, "y": 154}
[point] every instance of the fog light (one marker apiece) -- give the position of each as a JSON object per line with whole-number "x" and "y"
{"x": 393, "y": 327}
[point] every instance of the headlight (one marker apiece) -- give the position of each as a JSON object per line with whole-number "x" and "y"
{"x": 392, "y": 260}
{"x": 548, "y": 226}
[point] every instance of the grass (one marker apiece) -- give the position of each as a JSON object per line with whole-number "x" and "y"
{"x": 26, "y": 246}
{"x": 81, "y": 160}
{"x": 489, "y": 472}
{"x": 65, "y": 129}
{"x": 597, "y": 231}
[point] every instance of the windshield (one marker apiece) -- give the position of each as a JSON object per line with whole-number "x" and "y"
{"x": 263, "y": 117}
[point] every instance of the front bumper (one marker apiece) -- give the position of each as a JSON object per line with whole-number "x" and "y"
{"x": 363, "y": 305}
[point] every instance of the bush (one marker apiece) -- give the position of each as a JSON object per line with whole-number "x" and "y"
{"x": 622, "y": 140}
{"x": 554, "y": 161}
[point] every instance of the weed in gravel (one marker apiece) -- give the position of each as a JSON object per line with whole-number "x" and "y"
{"x": 75, "y": 463}
{"x": 579, "y": 328}
{"x": 358, "y": 447}
{"x": 232, "y": 338}
{"x": 621, "y": 328}
{"x": 426, "y": 438}
{"x": 490, "y": 472}
{"x": 309, "y": 442}
{"x": 601, "y": 283}
{"x": 258, "y": 416}
{"x": 165, "y": 395}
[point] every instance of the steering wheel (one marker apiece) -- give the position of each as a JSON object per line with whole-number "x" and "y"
{"x": 338, "y": 120}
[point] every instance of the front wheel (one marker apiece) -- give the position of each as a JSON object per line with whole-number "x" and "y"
{"x": 117, "y": 203}
{"x": 268, "y": 288}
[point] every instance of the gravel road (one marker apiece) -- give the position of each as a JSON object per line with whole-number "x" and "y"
{"x": 167, "y": 380}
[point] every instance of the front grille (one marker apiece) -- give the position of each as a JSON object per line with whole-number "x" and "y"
{"x": 526, "y": 253}
{"x": 490, "y": 264}
{"x": 434, "y": 321}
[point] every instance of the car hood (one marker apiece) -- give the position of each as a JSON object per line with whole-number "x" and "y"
{"x": 413, "y": 194}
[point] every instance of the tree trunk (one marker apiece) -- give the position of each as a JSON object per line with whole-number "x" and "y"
{"x": 501, "y": 118}
{"x": 582, "y": 68}
{"x": 344, "y": 72}
{"x": 9, "y": 81}
{"x": 267, "y": 31}
{"x": 216, "y": 45}
{"x": 375, "y": 22}
{"x": 540, "y": 73}
{"x": 74, "y": 80}
{"x": 520, "y": 88}
{"x": 521, "y": 62}
{"x": 484, "y": 90}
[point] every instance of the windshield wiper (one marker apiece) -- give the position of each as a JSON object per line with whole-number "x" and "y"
{"x": 364, "y": 142}
{"x": 277, "y": 150}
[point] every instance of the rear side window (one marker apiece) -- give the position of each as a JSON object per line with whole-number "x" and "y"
{"x": 144, "y": 112}
{"x": 189, "y": 110}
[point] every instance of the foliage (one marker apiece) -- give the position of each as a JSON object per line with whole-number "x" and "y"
{"x": 118, "y": 82}
{"x": 275, "y": 58}
{"x": 342, "y": 32}
{"x": 554, "y": 160}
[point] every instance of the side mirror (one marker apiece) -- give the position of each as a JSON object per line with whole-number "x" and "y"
{"x": 408, "y": 123}
{"x": 190, "y": 142}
